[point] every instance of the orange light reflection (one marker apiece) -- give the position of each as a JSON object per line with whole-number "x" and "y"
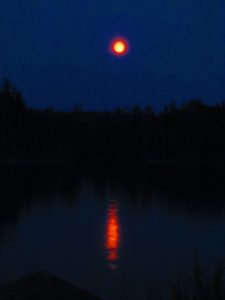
{"x": 112, "y": 241}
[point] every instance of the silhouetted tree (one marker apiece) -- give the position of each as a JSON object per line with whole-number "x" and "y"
{"x": 193, "y": 131}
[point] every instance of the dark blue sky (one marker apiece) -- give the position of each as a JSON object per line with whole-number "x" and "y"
{"x": 56, "y": 51}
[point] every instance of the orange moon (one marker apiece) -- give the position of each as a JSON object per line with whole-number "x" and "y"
{"x": 119, "y": 46}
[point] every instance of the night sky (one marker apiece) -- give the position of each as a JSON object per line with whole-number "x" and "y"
{"x": 56, "y": 52}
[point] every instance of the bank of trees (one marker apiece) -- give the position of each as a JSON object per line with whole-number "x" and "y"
{"x": 193, "y": 131}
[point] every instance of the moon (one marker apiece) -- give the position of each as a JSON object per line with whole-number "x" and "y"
{"x": 119, "y": 46}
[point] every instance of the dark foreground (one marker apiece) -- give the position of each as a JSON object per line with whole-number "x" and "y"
{"x": 43, "y": 286}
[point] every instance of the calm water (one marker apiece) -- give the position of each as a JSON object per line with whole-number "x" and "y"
{"x": 115, "y": 233}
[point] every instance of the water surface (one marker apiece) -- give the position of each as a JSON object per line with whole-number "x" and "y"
{"x": 116, "y": 232}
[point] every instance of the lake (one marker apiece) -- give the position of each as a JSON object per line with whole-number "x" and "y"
{"x": 119, "y": 232}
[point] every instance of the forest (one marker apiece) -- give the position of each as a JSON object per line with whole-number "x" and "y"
{"x": 191, "y": 132}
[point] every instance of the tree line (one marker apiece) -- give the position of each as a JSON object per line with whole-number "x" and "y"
{"x": 193, "y": 131}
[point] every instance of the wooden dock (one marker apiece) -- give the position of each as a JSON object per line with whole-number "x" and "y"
{"x": 43, "y": 286}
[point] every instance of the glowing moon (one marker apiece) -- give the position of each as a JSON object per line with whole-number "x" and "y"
{"x": 119, "y": 46}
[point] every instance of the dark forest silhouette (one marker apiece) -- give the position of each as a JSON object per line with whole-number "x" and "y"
{"x": 191, "y": 132}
